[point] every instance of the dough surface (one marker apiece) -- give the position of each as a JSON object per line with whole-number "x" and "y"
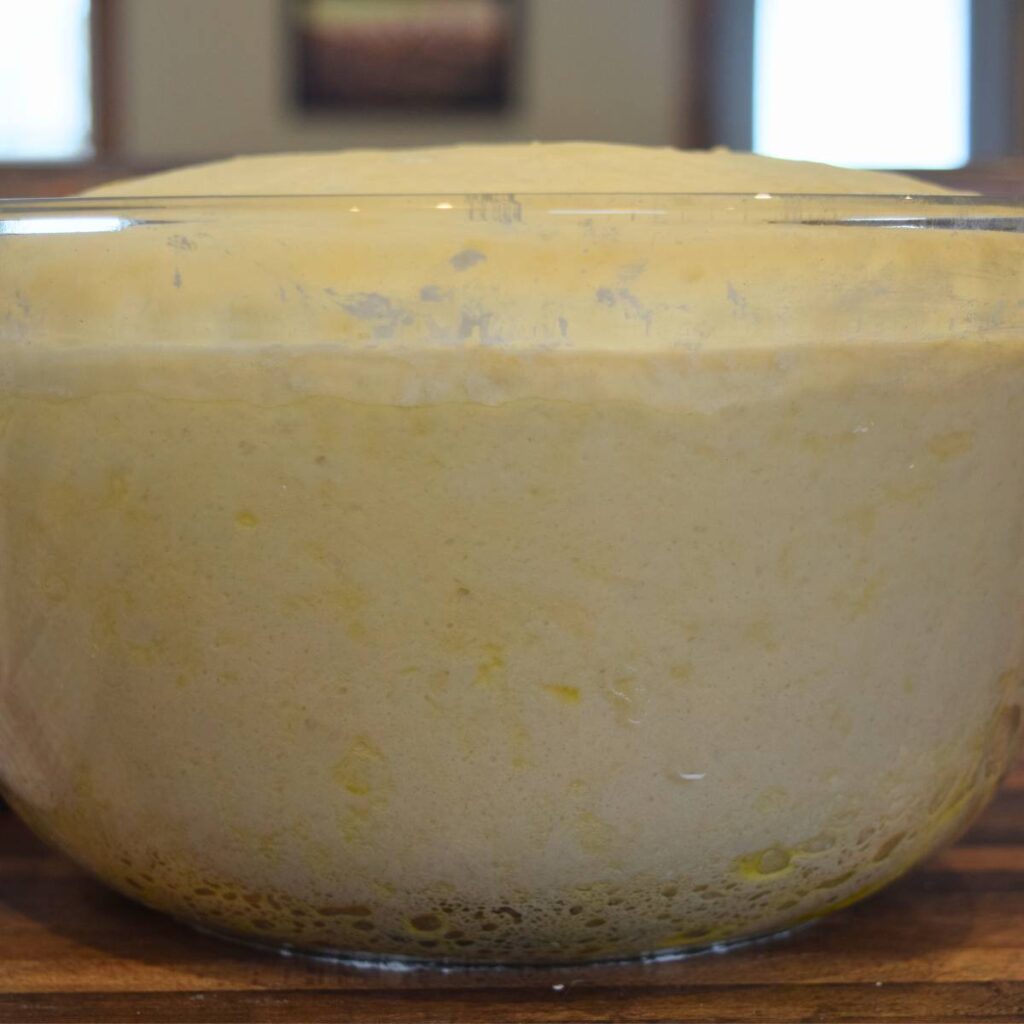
{"x": 566, "y": 167}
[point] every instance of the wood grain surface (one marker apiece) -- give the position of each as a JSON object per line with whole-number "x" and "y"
{"x": 944, "y": 944}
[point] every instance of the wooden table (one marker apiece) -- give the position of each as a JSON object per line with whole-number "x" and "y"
{"x": 945, "y": 944}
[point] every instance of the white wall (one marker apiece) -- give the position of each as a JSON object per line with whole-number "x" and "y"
{"x": 201, "y": 78}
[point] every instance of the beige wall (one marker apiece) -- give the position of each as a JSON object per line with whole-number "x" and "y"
{"x": 202, "y": 78}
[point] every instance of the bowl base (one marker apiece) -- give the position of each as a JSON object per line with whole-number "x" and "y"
{"x": 404, "y": 964}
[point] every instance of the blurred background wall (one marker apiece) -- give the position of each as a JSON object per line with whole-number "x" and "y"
{"x": 94, "y": 88}
{"x": 603, "y": 69}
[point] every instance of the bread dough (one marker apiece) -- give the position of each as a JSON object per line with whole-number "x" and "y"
{"x": 510, "y": 576}
{"x": 552, "y": 168}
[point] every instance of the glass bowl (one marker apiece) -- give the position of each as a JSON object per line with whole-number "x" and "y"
{"x": 508, "y": 579}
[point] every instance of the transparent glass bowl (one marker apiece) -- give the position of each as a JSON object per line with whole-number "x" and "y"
{"x": 508, "y": 578}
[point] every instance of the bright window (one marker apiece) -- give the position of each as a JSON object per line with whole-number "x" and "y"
{"x": 45, "y": 95}
{"x": 864, "y": 83}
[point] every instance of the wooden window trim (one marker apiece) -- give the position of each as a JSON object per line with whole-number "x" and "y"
{"x": 103, "y": 34}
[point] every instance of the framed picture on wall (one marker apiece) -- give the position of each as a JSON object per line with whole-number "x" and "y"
{"x": 405, "y": 54}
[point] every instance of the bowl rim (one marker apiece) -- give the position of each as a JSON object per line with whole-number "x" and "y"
{"x": 968, "y": 199}
{"x": 105, "y": 214}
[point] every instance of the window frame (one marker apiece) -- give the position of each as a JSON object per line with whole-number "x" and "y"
{"x": 723, "y": 62}
{"x": 102, "y": 91}
{"x": 103, "y": 20}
